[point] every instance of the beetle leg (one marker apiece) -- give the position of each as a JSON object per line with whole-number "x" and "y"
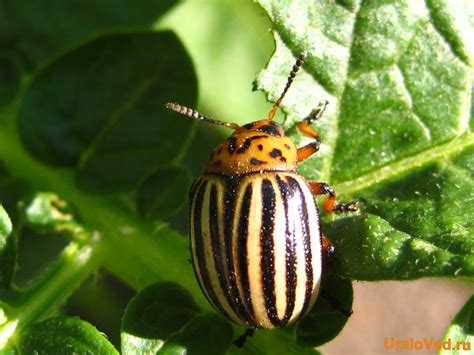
{"x": 240, "y": 341}
{"x": 304, "y": 127}
{"x": 330, "y": 204}
{"x": 327, "y": 254}
{"x": 334, "y": 303}
{"x": 328, "y": 248}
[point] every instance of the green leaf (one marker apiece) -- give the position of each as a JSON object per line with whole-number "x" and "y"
{"x": 13, "y": 192}
{"x": 329, "y": 315}
{"x": 163, "y": 193}
{"x": 163, "y": 318}
{"x": 107, "y": 117}
{"x": 38, "y": 30}
{"x": 397, "y": 132}
{"x": 459, "y": 338}
{"x": 10, "y": 74}
{"x": 7, "y": 250}
{"x": 64, "y": 335}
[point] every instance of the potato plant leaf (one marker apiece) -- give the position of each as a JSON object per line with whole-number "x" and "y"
{"x": 100, "y": 108}
{"x": 397, "y": 132}
{"x": 459, "y": 338}
{"x": 164, "y": 319}
{"x": 163, "y": 193}
{"x": 333, "y": 309}
{"x": 39, "y": 30}
{"x": 10, "y": 75}
{"x": 65, "y": 335}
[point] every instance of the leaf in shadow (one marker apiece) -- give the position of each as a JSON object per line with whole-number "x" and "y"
{"x": 163, "y": 318}
{"x": 163, "y": 193}
{"x": 329, "y": 315}
{"x": 100, "y": 108}
{"x": 39, "y": 30}
{"x": 10, "y": 75}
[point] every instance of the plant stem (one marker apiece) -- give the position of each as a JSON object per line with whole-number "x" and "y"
{"x": 134, "y": 250}
{"x": 73, "y": 266}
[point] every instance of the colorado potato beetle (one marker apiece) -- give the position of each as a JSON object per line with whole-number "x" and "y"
{"x": 256, "y": 240}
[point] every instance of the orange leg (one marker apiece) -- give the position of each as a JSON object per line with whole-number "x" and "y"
{"x": 327, "y": 254}
{"x": 330, "y": 204}
{"x": 304, "y": 127}
{"x": 328, "y": 248}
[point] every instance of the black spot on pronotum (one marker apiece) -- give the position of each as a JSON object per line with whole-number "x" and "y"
{"x": 257, "y": 162}
{"x": 244, "y": 146}
{"x": 287, "y": 146}
{"x": 232, "y": 144}
{"x": 258, "y": 137}
{"x": 283, "y": 159}
{"x": 275, "y": 153}
{"x": 249, "y": 125}
{"x": 271, "y": 130}
{"x": 260, "y": 147}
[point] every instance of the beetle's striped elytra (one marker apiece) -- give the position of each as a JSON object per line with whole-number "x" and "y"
{"x": 256, "y": 241}
{"x": 254, "y": 258}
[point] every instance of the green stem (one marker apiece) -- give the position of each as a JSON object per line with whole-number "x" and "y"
{"x": 134, "y": 250}
{"x": 74, "y": 264}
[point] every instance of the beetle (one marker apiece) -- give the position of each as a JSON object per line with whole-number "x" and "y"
{"x": 255, "y": 234}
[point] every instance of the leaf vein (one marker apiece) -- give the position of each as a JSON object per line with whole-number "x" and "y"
{"x": 416, "y": 117}
{"x": 396, "y": 168}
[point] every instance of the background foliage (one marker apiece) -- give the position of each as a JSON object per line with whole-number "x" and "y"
{"x": 93, "y": 169}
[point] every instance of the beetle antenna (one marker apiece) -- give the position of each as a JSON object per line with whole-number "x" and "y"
{"x": 299, "y": 62}
{"x": 199, "y": 116}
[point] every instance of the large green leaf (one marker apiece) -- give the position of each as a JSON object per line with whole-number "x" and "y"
{"x": 39, "y": 29}
{"x": 164, "y": 319}
{"x": 100, "y": 108}
{"x": 64, "y": 335}
{"x": 398, "y": 76}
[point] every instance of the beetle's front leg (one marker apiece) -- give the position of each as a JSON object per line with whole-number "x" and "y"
{"x": 330, "y": 204}
{"x": 304, "y": 127}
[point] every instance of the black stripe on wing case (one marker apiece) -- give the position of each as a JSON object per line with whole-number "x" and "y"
{"x": 233, "y": 295}
{"x": 290, "y": 257}
{"x": 267, "y": 247}
{"x": 216, "y": 244}
{"x": 305, "y": 230}
{"x": 242, "y": 250}
{"x": 200, "y": 252}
